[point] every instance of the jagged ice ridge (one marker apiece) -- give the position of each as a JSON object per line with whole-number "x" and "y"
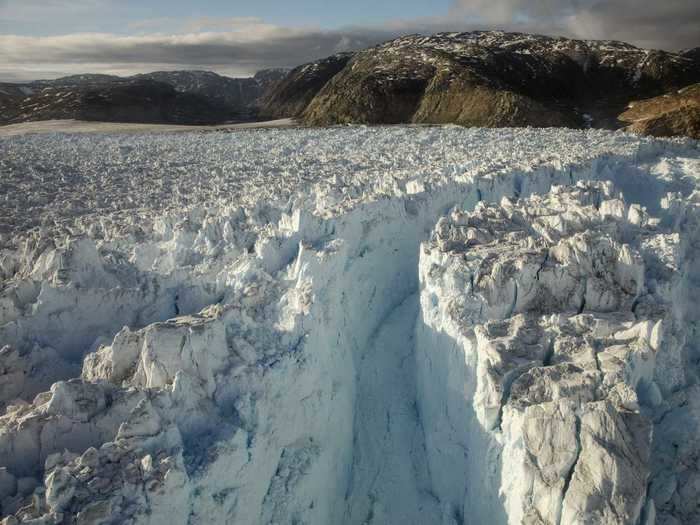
{"x": 357, "y": 325}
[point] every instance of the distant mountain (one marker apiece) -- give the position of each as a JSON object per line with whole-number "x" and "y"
{"x": 186, "y": 97}
{"x": 693, "y": 54}
{"x": 240, "y": 94}
{"x": 11, "y": 93}
{"x": 123, "y": 101}
{"x": 483, "y": 78}
{"x": 75, "y": 80}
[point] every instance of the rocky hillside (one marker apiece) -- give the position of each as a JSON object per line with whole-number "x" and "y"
{"x": 186, "y": 97}
{"x": 124, "y": 101}
{"x": 239, "y": 94}
{"x": 693, "y": 54}
{"x": 671, "y": 114}
{"x": 296, "y": 90}
{"x": 483, "y": 79}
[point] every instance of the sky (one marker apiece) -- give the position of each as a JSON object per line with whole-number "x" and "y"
{"x": 52, "y": 38}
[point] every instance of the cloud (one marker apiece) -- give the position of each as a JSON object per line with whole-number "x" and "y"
{"x": 670, "y": 24}
{"x": 241, "y": 46}
{"x": 241, "y": 51}
{"x": 19, "y": 11}
{"x": 200, "y": 24}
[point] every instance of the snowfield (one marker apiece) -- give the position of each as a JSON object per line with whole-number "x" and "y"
{"x": 400, "y": 325}
{"x": 84, "y": 126}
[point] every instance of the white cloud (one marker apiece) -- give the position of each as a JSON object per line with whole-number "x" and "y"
{"x": 33, "y": 10}
{"x": 668, "y": 24}
{"x": 241, "y": 46}
{"x": 243, "y": 50}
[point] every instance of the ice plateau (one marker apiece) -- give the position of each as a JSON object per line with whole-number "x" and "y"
{"x": 393, "y": 325}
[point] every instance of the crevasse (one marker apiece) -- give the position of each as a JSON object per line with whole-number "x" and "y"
{"x": 323, "y": 382}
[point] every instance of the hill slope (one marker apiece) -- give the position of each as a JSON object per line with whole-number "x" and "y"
{"x": 487, "y": 78}
{"x": 676, "y": 113}
{"x": 292, "y": 94}
{"x": 185, "y": 97}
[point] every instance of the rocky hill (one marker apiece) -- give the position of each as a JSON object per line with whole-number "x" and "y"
{"x": 239, "y": 94}
{"x": 479, "y": 78}
{"x": 693, "y": 54}
{"x": 185, "y": 97}
{"x": 292, "y": 94}
{"x": 676, "y": 113}
{"x": 124, "y": 101}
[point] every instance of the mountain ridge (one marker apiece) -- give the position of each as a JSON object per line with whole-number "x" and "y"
{"x": 186, "y": 96}
{"x": 487, "y": 78}
{"x": 478, "y": 78}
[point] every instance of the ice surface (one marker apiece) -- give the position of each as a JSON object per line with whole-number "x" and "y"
{"x": 569, "y": 327}
{"x": 84, "y": 126}
{"x": 352, "y": 325}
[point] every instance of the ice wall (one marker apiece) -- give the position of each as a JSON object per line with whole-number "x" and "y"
{"x": 257, "y": 387}
{"x": 550, "y": 342}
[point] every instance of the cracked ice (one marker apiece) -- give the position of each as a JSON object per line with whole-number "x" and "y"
{"x": 351, "y": 325}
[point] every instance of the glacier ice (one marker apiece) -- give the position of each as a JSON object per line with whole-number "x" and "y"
{"x": 352, "y": 325}
{"x": 552, "y": 307}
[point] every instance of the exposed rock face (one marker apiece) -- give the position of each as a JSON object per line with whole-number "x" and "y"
{"x": 290, "y": 95}
{"x": 268, "y": 78}
{"x": 137, "y": 101}
{"x": 486, "y": 79}
{"x": 10, "y": 94}
{"x": 398, "y": 325}
{"x": 693, "y": 54}
{"x": 671, "y": 114}
{"x": 239, "y": 95}
{"x": 185, "y": 97}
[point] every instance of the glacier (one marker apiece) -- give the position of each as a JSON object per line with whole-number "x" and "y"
{"x": 350, "y": 325}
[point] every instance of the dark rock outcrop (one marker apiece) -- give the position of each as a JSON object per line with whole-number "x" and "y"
{"x": 292, "y": 94}
{"x": 11, "y": 94}
{"x": 692, "y": 54}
